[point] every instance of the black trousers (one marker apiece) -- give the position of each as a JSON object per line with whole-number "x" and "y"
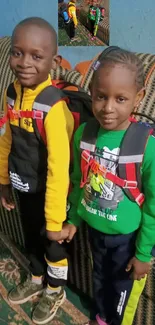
{"x": 71, "y": 29}
{"x": 92, "y": 24}
{"x": 111, "y": 283}
{"x": 37, "y": 245}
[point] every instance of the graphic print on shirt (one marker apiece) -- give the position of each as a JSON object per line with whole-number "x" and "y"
{"x": 100, "y": 193}
{"x": 93, "y": 12}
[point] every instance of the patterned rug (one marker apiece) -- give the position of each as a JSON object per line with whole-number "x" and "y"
{"x": 13, "y": 266}
{"x": 81, "y": 32}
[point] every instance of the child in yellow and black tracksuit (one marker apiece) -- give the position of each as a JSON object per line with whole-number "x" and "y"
{"x": 73, "y": 19}
{"x": 39, "y": 172}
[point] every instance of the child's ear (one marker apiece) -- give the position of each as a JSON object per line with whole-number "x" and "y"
{"x": 139, "y": 98}
{"x": 56, "y": 61}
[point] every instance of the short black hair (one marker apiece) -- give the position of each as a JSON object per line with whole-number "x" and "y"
{"x": 42, "y": 23}
{"x": 116, "y": 55}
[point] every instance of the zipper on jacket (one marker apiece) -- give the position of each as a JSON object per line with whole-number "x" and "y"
{"x": 21, "y": 99}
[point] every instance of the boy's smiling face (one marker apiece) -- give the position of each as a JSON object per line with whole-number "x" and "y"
{"x": 32, "y": 55}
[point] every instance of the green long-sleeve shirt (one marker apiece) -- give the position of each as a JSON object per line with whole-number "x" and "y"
{"x": 103, "y": 205}
{"x": 94, "y": 14}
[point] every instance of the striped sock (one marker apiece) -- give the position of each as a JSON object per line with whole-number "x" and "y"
{"x": 51, "y": 290}
{"x": 37, "y": 279}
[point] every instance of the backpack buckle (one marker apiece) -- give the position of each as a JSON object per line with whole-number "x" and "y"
{"x": 140, "y": 199}
{"x": 38, "y": 115}
{"x": 130, "y": 184}
{"x": 86, "y": 156}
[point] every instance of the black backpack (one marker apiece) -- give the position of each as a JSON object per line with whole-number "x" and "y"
{"x": 78, "y": 101}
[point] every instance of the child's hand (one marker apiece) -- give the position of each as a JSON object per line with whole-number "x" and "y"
{"x": 140, "y": 269}
{"x": 6, "y": 197}
{"x": 71, "y": 229}
{"x": 59, "y": 236}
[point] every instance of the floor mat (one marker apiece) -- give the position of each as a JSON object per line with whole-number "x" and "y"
{"x": 13, "y": 266}
{"x": 83, "y": 35}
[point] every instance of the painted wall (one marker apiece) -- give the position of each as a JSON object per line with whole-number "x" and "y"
{"x": 131, "y": 24}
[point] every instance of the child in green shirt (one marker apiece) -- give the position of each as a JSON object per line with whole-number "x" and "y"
{"x": 94, "y": 16}
{"x": 121, "y": 232}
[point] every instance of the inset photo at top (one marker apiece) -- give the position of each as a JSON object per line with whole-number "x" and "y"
{"x": 83, "y": 22}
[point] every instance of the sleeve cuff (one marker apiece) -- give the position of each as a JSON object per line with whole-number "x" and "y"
{"x": 4, "y": 180}
{"x": 143, "y": 258}
{"x": 52, "y": 226}
{"x": 74, "y": 222}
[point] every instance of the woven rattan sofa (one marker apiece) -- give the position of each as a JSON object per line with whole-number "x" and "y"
{"x": 80, "y": 262}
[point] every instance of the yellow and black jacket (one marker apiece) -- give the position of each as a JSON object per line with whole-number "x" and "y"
{"x": 72, "y": 12}
{"x": 45, "y": 168}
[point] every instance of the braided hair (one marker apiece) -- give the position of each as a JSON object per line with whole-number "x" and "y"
{"x": 115, "y": 55}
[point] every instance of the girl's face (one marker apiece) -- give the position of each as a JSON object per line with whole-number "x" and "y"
{"x": 115, "y": 96}
{"x": 94, "y": 2}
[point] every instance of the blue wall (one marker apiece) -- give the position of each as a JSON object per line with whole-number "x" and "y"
{"x": 131, "y": 24}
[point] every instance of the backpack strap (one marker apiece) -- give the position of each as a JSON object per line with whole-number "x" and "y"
{"x": 89, "y": 136}
{"x": 47, "y": 98}
{"x": 12, "y": 114}
{"x": 11, "y": 94}
{"x": 88, "y": 146}
{"x": 131, "y": 158}
{"x": 10, "y": 97}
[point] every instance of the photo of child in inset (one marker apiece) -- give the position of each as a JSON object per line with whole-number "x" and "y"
{"x": 83, "y": 22}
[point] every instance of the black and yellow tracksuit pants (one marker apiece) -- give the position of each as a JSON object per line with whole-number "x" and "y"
{"x": 46, "y": 257}
{"x": 116, "y": 294}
